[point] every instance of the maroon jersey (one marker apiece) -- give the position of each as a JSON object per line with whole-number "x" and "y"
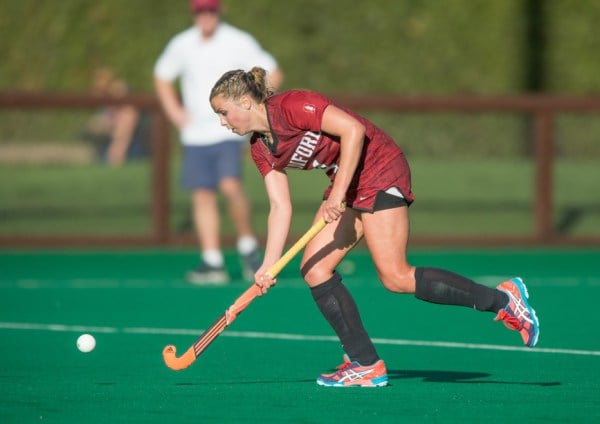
{"x": 298, "y": 142}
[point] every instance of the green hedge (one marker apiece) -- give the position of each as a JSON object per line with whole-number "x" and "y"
{"x": 408, "y": 47}
{"x": 397, "y": 46}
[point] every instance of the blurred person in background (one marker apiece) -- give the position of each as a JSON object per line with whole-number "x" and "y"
{"x": 212, "y": 156}
{"x": 118, "y": 133}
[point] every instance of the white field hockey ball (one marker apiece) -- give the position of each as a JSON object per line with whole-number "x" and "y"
{"x": 86, "y": 343}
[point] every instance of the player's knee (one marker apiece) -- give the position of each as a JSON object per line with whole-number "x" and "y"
{"x": 399, "y": 282}
{"x": 315, "y": 275}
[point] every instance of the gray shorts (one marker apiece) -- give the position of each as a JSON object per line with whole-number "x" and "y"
{"x": 206, "y": 166}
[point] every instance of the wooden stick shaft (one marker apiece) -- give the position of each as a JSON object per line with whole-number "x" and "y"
{"x": 241, "y": 303}
{"x": 297, "y": 247}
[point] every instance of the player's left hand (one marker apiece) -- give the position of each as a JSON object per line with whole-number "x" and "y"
{"x": 333, "y": 209}
{"x": 264, "y": 281}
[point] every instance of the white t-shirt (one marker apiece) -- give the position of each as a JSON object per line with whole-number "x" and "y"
{"x": 200, "y": 63}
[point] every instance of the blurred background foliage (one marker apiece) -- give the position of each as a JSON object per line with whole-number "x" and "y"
{"x": 401, "y": 47}
{"x": 384, "y": 46}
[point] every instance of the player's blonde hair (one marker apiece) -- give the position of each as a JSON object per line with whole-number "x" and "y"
{"x": 237, "y": 83}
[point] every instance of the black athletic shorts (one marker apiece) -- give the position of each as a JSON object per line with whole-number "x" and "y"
{"x": 385, "y": 200}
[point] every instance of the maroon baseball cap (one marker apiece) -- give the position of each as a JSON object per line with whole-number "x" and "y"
{"x": 202, "y": 5}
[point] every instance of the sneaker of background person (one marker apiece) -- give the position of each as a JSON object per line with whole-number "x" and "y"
{"x": 518, "y": 315}
{"x": 250, "y": 264}
{"x": 353, "y": 374}
{"x": 208, "y": 275}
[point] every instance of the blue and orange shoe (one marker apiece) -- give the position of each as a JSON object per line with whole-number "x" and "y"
{"x": 518, "y": 315}
{"x": 353, "y": 374}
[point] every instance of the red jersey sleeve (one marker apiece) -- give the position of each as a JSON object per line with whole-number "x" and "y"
{"x": 260, "y": 155}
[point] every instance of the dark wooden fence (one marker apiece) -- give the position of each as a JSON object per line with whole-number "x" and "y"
{"x": 543, "y": 111}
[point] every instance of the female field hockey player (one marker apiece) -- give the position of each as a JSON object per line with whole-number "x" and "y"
{"x": 369, "y": 196}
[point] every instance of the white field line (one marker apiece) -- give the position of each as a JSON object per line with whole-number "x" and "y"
{"x": 283, "y": 336}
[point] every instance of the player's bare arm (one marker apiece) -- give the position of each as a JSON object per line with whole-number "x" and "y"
{"x": 280, "y": 216}
{"x": 351, "y": 132}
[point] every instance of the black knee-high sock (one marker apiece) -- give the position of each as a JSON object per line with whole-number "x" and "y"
{"x": 440, "y": 286}
{"x": 337, "y": 306}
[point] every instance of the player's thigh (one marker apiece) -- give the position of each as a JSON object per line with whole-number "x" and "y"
{"x": 324, "y": 252}
{"x": 386, "y": 235}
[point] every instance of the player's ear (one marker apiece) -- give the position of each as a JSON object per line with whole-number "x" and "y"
{"x": 246, "y": 102}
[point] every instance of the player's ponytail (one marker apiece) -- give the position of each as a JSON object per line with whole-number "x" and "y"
{"x": 235, "y": 84}
{"x": 258, "y": 84}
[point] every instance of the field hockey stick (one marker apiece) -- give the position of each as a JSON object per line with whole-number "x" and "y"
{"x": 188, "y": 358}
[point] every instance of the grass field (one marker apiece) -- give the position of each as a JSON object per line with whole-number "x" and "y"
{"x": 466, "y": 196}
{"x": 445, "y": 364}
